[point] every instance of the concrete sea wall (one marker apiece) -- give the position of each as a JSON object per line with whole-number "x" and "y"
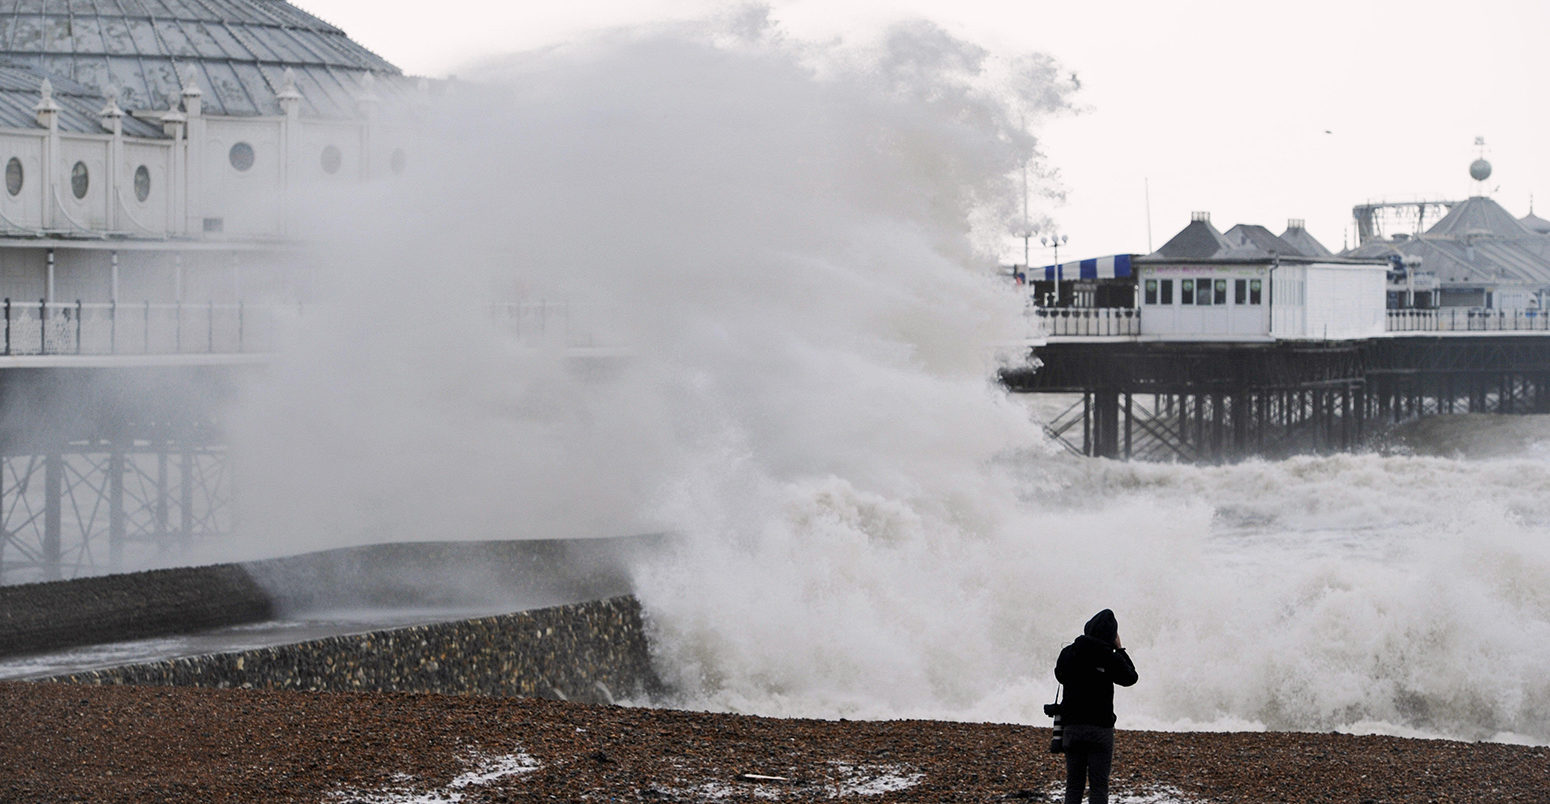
{"x": 576, "y": 632}
{"x": 492, "y": 576}
{"x": 48, "y": 616}
{"x": 593, "y": 651}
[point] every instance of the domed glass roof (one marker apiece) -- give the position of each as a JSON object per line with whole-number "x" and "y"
{"x": 236, "y": 52}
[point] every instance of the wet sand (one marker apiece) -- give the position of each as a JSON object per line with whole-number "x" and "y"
{"x": 155, "y": 744}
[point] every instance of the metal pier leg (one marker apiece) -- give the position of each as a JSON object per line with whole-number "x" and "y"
{"x": 116, "y": 524}
{"x": 1347, "y": 426}
{"x": 1242, "y": 405}
{"x": 1361, "y": 414}
{"x": 1200, "y": 423}
{"x": 1129, "y": 420}
{"x": 186, "y": 498}
{"x": 163, "y": 531}
{"x": 1106, "y": 424}
{"x": 53, "y": 504}
{"x": 1087, "y": 425}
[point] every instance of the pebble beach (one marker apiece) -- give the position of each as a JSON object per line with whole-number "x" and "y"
{"x": 65, "y": 742}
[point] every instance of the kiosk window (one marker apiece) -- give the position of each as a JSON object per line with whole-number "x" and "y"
{"x": 1151, "y": 291}
{"x": 1240, "y": 291}
{"x": 1254, "y": 289}
{"x": 1186, "y": 291}
{"x": 1202, "y": 291}
{"x": 1166, "y": 296}
{"x": 1221, "y": 291}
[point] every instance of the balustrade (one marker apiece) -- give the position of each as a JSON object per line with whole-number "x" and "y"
{"x": 1462, "y": 319}
{"x": 1090, "y": 321}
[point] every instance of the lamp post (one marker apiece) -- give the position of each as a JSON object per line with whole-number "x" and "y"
{"x": 1054, "y": 240}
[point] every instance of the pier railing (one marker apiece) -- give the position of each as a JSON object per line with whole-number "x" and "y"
{"x": 560, "y": 323}
{"x": 1090, "y": 321}
{"x": 77, "y": 328}
{"x": 109, "y": 328}
{"x": 1456, "y": 319}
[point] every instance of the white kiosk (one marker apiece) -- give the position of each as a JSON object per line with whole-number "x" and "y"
{"x": 1249, "y": 285}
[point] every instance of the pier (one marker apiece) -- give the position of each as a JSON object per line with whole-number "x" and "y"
{"x": 1192, "y": 401}
{"x": 113, "y": 450}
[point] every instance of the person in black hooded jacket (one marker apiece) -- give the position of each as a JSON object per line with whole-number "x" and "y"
{"x": 1089, "y": 668}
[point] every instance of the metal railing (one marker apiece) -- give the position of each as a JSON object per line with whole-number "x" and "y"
{"x": 1460, "y": 319}
{"x": 560, "y": 323}
{"x": 1090, "y": 321}
{"x": 110, "y": 328}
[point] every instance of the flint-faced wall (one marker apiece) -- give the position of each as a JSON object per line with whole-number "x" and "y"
{"x": 592, "y": 652}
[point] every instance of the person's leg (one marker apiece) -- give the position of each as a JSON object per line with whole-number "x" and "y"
{"x": 1100, "y": 759}
{"x": 1076, "y": 771}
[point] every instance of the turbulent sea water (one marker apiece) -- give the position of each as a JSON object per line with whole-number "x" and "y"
{"x": 1403, "y": 592}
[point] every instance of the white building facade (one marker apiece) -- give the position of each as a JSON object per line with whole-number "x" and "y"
{"x": 1249, "y": 284}
{"x": 154, "y": 151}
{"x": 1244, "y": 301}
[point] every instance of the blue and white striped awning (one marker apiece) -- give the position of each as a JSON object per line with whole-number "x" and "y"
{"x": 1114, "y": 267}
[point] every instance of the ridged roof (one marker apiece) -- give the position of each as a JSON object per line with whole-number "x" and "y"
{"x": 1477, "y": 242}
{"x": 1470, "y": 261}
{"x": 1201, "y": 241}
{"x": 1305, "y": 243}
{"x": 1260, "y": 239}
{"x": 1534, "y": 223}
{"x": 1478, "y": 215}
{"x": 80, "y": 107}
{"x": 1197, "y": 241}
{"x": 238, "y": 51}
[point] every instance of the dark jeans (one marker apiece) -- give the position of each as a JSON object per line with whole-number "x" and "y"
{"x": 1089, "y": 755}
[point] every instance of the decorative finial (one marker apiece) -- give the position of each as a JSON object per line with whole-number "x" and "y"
{"x": 288, "y": 90}
{"x": 191, "y": 82}
{"x": 47, "y": 107}
{"x": 367, "y": 101}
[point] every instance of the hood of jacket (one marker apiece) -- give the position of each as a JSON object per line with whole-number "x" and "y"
{"x": 1102, "y": 627}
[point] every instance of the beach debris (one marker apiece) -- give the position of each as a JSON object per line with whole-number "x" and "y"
{"x": 761, "y": 778}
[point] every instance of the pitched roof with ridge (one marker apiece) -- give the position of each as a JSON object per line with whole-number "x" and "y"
{"x": 1197, "y": 241}
{"x": 1477, "y": 242}
{"x": 1306, "y": 244}
{"x": 236, "y": 50}
{"x": 1534, "y": 223}
{"x": 1478, "y": 215}
{"x": 1245, "y": 241}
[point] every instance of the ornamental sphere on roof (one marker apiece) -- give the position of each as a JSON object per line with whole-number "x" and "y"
{"x": 1480, "y": 170}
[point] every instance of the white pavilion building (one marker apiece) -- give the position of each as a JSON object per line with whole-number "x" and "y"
{"x": 152, "y": 148}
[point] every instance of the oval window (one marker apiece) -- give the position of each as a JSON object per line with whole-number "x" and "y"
{"x": 397, "y": 160}
{"x": 332, "y": 159}
{"x": 241, "y": 156}
{"x": 80, "y": 180}
{"x": 13, "y": 176}
{"x": 142, "y": 182}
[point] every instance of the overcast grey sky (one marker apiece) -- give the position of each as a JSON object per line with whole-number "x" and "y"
{"x": 1255, "y": 112}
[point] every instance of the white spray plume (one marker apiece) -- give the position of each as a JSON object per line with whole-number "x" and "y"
{"x": 782, "y": 233}
{"x": 786, "y": 235}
